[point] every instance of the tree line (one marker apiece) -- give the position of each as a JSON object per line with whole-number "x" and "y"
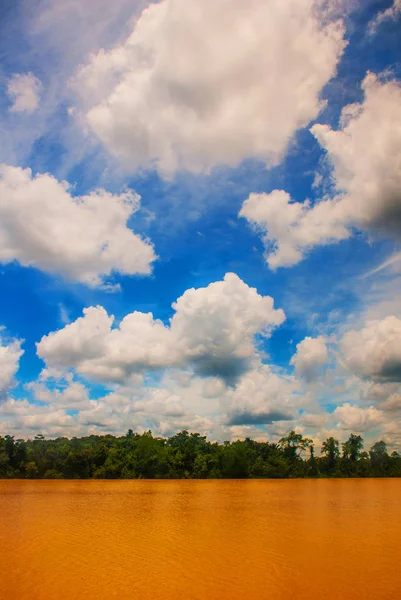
{"x": 191, "y": 456}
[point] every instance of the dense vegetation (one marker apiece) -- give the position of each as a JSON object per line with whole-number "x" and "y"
{"x": 190, "y": 455}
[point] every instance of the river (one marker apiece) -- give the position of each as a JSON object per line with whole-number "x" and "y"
{"x": 187, "y": 540}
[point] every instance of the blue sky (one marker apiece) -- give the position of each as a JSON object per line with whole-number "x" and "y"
{"x": 150, "y": 150}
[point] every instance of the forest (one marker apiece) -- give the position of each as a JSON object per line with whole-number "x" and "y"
{"x": 191, "y": 456}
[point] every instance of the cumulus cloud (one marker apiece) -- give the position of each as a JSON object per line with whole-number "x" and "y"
{"x": 83, "y": 238}
{"x": 389, "y": 14}
{"x": 261, "y": 397}
{"x": 24, "y": 92}
{"x": 69, "y": 395}
{"x": 263, "y": 404}
{"x": 290, "y": 228}
{"x": 23, "y": 418}
{"x": 314, "y": 421}
{"x": 212, "y": 331}
{"x": 310, "y": 357}
{"x": 180, "y": 400}
{"x": 356, "y": 418}
{"x": 215, "y": 326}
{"x": 10, "y": 353}
{"x": 392, "y": 403}
{"x": 391, "y": 435}
{"x": 365, "y": 155}
{"x": 374, "y": 352}
{"x": 211, "y": 82}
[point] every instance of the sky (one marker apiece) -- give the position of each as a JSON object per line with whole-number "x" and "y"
{"x": 200, "y": 218}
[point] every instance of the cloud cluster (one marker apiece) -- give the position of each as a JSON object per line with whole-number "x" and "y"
{"x": 23, "y": 418}
{"x": 264, "y": 402}
{"x": 166, "y": 410}
{"x": 195, "y": 85}
{"x": 365, "y": 156}
{"x": 181, "y": 400}
{"x": 214, "y": 325}
{"x": 211, "y": 82}
{"x": 69, "y": 395}
{"x": 24, "y": 92}
{"x": 212, "y": 331}
{"x": 83, "y": 238}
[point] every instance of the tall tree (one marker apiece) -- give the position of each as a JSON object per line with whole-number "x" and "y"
{"x": 352, "y": 447}
{"x": 331, "y": 451}
{"x": 293, "y": 444}
{"x": 379, "y": 455}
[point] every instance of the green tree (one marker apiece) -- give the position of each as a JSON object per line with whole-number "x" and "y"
{"x": 293, "y": 444}
{"x": 313, "y": 470}
{"x": 31, "y": 470}
{"x": 190, "y": 455}
{"x": 9, "y": 447}
{"x": 331, "y": 451}
{"x": 236, "y": 460}
{"x": 4, "y": 460}
{"x": 352, "y": 447}
{"x": 277, "y": 466}
{"x": 379, "y": 458}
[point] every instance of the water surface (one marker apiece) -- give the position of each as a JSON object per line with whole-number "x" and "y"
{"x": 187, "y": 540}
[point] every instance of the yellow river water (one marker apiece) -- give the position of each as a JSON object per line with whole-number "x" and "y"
{"x": 187, "y": 540}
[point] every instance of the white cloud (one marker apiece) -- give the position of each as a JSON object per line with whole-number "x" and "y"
{"x": 24, "y": 92}
{"x": 391, "y": 13}
{"x": 211, "y": 82}
{"x": 310, "y": 357}
{"x": 63, "y": 26}
{"x": 290, "y": 228}
{"x": 83, "y": 238}
{"x": 215, "y": 326}
{"x": 176, "y": 404}
{"x": 212, "y": 331}
{"x": 263, "y": 404}
{"x": 377, "y": 392}
{"x": 392, "y": 435}
{"x": 374, "y": 352}
{"x": 392, "y": 403}
{"x": 180, "y": 400}
{"x": 69, "y": 395}
{"x": 261, "y": 397}
{"x": 365, "y": 154}
{"x": 10, "y": 353}
{"x": 57, "y": 37}
{"x": 314, "y": 420}
{"x": 20, "y": 417}
{"x": 357, "y": 419}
